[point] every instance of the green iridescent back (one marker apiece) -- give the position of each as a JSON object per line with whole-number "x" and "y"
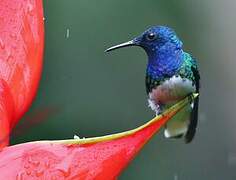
{"x": 186, "y": 69}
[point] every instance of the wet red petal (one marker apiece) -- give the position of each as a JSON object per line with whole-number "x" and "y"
{"x": 21, "y": 50}
{"x": 93, "y": 158}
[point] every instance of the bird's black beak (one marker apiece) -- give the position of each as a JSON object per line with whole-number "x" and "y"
{"x": 129, "y": 43}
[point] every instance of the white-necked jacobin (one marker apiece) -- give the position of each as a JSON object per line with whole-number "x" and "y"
{"x": 171, "y": 75}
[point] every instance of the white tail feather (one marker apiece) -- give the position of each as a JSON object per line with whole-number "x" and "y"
{"x": 174, "y": 129}
{"x": 178, "y": 125}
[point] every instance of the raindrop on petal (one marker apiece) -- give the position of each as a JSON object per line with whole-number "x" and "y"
{"x": 2, "y": 44}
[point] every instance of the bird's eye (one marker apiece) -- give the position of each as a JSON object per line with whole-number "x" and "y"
{"x": 151, "y": 36}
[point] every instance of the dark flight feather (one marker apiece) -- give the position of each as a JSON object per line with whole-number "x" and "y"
{"x": 194, "y": 114}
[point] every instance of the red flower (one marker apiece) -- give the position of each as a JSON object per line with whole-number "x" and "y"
{"x": 21, "y": 50}
{"x": 85, "y": 159}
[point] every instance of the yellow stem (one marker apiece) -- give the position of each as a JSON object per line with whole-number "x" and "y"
{"x": 173, "y": 109}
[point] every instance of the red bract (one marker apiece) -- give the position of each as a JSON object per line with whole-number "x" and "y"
{"x": 100, "y": 158}
{"x": 21, "y": 50}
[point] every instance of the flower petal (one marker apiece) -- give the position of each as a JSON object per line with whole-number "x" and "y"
{"x": 21, "y": 50}
{"x": 90, "y": 158}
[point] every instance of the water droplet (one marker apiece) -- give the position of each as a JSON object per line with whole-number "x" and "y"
{"x": 67, "y": 33}
{"x": 30, "y": 9}
{"x": 39, "y": 173}
{"x": 2, "y": 44}
{"x": 26, "y": 166}
{"x": 28, "y": 172}
{"x": 34, "y": 162}
{"x": 76, "y": 137}
{"x": 66, "y": 172}
{"x": 14, "y": 46}
{"x": 44, "y": 18}
{"x": 19, "y": 176}
{"x": 47, "y": 164}
{"x": 13, "y": 35}
{"x": 9, "y": 57}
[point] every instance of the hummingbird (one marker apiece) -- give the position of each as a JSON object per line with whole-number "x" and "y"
{"x": 171, "y": 75}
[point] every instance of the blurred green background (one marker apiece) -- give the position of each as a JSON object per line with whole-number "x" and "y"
{"x": 89, "y": 93}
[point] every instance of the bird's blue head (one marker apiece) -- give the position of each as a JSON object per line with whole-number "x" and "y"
{"x": 163, "y": 47}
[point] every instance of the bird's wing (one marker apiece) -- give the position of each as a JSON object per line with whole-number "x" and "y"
{"x": 194, "y": 114}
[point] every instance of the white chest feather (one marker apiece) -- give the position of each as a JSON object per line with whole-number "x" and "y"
{"x": 170, "y": 91}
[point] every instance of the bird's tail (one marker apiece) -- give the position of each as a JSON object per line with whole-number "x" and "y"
{"x": 177, "y": 127}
